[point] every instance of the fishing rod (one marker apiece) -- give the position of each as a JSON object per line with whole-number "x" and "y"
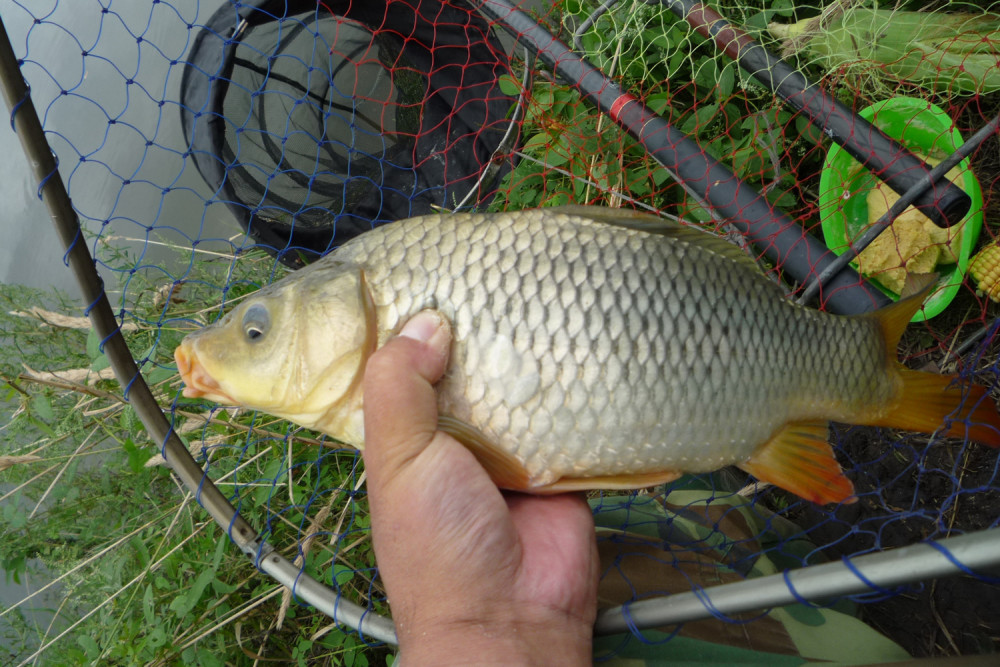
{"x": 941, "y": 200}
{"x": 782, "y": 241}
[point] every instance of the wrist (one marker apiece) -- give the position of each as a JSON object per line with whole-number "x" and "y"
{"x": 523, "y": 642}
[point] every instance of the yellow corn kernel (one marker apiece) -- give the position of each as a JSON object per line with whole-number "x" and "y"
{"x": 985, "y": 269}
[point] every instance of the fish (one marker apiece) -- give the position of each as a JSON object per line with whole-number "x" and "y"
{"x": 592, "y": 349}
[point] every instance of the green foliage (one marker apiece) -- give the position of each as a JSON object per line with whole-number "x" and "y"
{"x": 572, "y": 153}
{"x": 160, "y": 581}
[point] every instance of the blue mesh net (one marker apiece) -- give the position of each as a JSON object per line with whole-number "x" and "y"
{"x": 209, "y": 147}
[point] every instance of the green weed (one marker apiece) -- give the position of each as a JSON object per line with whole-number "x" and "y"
{"x": 147, "y": 578}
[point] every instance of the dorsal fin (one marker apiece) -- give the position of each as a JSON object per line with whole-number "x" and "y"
{"x": 651, "y": 224}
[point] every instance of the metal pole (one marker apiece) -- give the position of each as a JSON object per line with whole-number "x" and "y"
{"x": 53, "y": 192}
{"x": 851, "y": 576}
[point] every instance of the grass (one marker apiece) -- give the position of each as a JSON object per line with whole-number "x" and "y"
{"x": 145, "y": 576}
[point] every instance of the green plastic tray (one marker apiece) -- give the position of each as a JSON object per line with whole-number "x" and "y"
{"x": 844, "y": 185}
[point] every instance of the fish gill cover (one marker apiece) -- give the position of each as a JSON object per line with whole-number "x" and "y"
{"x": 209, "y": 145}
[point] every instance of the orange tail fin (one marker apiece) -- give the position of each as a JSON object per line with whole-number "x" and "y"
{"x": 929, "y": 402}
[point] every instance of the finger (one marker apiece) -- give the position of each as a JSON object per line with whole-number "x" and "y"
{"x": 399, "y": 397}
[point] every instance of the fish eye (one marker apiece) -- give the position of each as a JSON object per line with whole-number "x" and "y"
{"x": 256, "y": 322}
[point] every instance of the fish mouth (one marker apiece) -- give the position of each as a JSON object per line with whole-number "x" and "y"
{"x": 198, "y": 382}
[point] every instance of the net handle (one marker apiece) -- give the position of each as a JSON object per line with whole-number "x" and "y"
{"x": 963, "y": 554}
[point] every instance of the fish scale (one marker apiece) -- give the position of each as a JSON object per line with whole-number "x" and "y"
{"x": 591, "y": 349}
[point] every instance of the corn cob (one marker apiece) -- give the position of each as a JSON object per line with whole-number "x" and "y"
{"x": 943, "y": 52}
{"x": 985, "y": 270}
{"x": 912, "y": 244}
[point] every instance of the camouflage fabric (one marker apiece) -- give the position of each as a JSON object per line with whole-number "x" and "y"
{"x": 699, "y": 537}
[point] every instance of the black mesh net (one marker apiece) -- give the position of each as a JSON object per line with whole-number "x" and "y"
{"x": 377, "y": 115}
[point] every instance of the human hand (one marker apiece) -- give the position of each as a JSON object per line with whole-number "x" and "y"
{"x": 472, "y": 574}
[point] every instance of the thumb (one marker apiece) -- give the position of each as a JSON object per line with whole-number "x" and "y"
{"x": 399, "y": 397}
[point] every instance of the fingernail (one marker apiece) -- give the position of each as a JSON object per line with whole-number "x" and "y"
{"x": 422, "y": 326}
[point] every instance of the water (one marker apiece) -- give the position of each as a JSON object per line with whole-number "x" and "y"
{"x": 116, "y": 132}
{"x": 110, "y": 127}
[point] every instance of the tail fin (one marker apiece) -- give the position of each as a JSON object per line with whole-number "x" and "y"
{"x": 929, "y": 401}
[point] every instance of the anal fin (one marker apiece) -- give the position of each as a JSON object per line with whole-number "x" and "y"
{"x": 799, "y": 459}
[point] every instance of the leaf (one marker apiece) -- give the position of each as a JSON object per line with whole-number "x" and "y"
{"x": 727, "y": 79}
{"x": 141, "y": 551}
{"x": 749, "y": 161}
{"x": 93, "y": 346}
{"x": 562, "y": 97}
{"x": 783, "y": 197}
{"x": 137, "y": 456}
{"x": 342, "y": 574}
{"x": 542, "y": 99}
{"x": 184, "y": 603}
{"x": 220, "y": 551}
{"x": 706, "y": 73}
{"x": 658, "y": 103}
{"x": 206, "y": 658}
{"x": 538, "y": 141}
{"x": 100, "y": 363}
{"x": 14, "y": 568}
{"x": 157, "y": 638}
{"x": 42, "y": 408}
{"x": 509, "y": 85}
{"x": 700, "y": 119}
{"x": 678, "y": 60}
{"x": 219, "y": 587}
{"x": 89, "y": 645}
{"x": 822, "y": 639}
{"x": 808, "y": 131}
{"x": 147, "y": 355}
{"x": 148, "y": 610}
{"x": 158, "y": 375}
{"x": 41, "y": 426}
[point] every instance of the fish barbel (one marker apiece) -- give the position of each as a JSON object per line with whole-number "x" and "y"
{"x": 592, "y": 349}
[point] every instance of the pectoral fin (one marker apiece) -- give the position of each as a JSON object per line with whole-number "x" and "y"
{"x": 506, "y": 471}
{"x": 799, "y": 459}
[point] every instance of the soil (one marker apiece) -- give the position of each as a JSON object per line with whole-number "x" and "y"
{"x": 923, "y": 498}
